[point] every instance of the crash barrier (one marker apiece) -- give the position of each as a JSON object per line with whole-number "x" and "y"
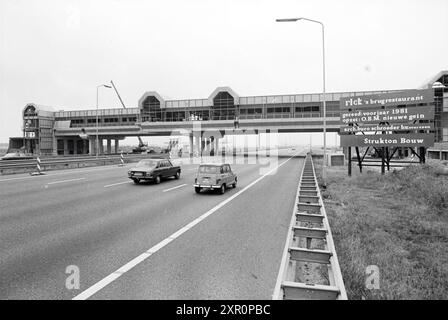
{"x": 309, "y": 268}
{"x": 57, "y": 163}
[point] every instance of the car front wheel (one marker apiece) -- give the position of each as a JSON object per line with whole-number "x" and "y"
{"x": 136, "y": 181}
{"x": 197, "y": 189}
{"x": 157, "y": 180}
{"x": 222, "y": 190}
{"x": 177, "y": 175}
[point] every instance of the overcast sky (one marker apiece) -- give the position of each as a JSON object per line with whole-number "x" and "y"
{"x": 56, "y": 52}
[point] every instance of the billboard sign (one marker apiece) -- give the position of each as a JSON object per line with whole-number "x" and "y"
{"x": 387, "y": 99}
{"x": 387, "y": 115}
{"x": 387, "y": 127}
{"x": 388, "y": 140}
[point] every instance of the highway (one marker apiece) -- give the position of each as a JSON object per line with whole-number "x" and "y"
{"x": 144, "y": 241}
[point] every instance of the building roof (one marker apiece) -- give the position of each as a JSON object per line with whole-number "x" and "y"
{"x": 428, "y": 84}
{"x": 40, "y": 107}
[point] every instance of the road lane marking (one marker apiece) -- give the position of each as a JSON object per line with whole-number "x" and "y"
{"x": 59, "y": 173}
{"x": 142, "y": 257}
{"x": 115, "y": 184}
{"x": 63, "y": 181}
{"x": 173, "y": 188}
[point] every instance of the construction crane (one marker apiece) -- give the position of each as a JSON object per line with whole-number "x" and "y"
{"x": 142, "y": 147}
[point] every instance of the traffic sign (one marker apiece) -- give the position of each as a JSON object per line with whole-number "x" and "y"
{"x": 388, "y": 140}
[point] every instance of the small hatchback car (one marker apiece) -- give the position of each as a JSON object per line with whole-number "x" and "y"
{"x": 214, "y": 176}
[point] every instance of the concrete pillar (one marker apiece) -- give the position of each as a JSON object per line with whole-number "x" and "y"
{"x": 198, "y": 144}
{"x": 101, "y": 146}
{"x": 212, "y": 145}
{"x": 84, "y": 146}
{"x": 209, "y": 145}
{"x": 216, "y": 146}
{"x": 191, "y": 145}
{"x": 203, "y": 145}
{"x": 92, "y": 147}
{"x": 65, "y": 147}
{"x": 257, "y": 144}
{"x": 55, "y": 145}
{"x": 117, "y": 145}
{"x": 75, "y": 147}
{"x": 109, "y": 146}
{"x": 234, "y": 145}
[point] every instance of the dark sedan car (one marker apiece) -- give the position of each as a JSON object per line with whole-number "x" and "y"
{"x": 153, "y": 170}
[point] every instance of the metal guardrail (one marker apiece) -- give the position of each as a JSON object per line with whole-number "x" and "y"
{"x": 48, "y": 162}
{"x": 309, "y": 223}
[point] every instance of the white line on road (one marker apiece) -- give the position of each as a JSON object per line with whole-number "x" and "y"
{"x": 182, "y": 185}
{"x": 115, "y": 184}
{"x": 62, "y": 181}
{"x": 142, "y": 257}
{"x": 68, "y": 171}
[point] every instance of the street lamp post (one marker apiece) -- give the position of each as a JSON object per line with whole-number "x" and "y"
{"x": 97, "y": 87}
{"x": 324, "y": 98}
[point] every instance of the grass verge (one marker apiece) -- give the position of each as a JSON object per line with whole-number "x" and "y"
{"x": 398, "y": 222}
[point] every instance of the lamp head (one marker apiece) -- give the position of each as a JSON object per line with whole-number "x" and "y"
{"x": 288, "y": 20}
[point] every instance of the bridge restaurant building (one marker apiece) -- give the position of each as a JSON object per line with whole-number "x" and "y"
{"x": 49, "y": 131}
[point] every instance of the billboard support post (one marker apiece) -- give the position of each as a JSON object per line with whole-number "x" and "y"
{"x": 349, "y": 161}
{"x": 359, "y": 159}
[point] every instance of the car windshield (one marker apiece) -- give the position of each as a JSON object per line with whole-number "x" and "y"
{"x": 146, "y": 163}
{"x": 208, "y": 169}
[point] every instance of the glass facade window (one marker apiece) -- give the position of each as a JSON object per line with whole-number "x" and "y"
{"x": 198, "y": 115}
{"x": 445, "y": 101}
{"x": 445, "y": 134}
{"x": 279, "y": 110}
{"x": 307, "y": 109}
{"x": 150, "y": 110}
{"x": 251, "y": 113}
{"x": 175, "y": 116}
{"x": 110, "y": 120}
{"x": 30, "y": 112}
{"x": 223, "y": 107}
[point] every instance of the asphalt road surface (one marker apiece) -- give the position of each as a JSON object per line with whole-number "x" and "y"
{"x": 144, "y": 241}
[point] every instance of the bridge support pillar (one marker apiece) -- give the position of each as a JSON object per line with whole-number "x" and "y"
{"x": 216, "y": 146}
{"x": 101, "y": 146}
{"x": 191, "y": 145}
{"x": 117, "y": 145}
{"x": 65, "y": 147}
{"x": 257, "y": 144}
{"x": 198, "y": 144}
{"x": 109, "y": 146}
{"x": 92, "y": 147}
{"x": 55, "y": 144}
{"x": 234, "y": 145}
{"x": 203, "y": 145}
{"x": 84, "y": 146}
{"x": 211, "y": 145}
